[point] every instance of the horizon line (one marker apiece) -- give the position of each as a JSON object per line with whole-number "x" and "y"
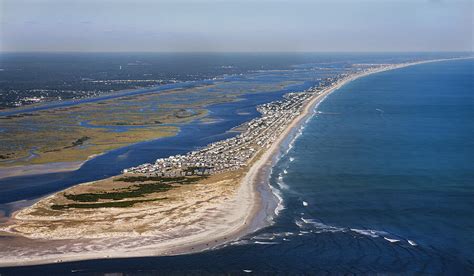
{"x": 238, "y": 52}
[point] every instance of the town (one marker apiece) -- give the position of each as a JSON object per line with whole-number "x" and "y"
{"x": 236, "y": 152}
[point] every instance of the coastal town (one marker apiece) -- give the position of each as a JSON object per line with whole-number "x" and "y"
{"x": 152, "y": 210}
{"x": 236, "y": 152}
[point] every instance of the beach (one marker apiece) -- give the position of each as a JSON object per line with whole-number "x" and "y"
{"x": 240, "y": 209}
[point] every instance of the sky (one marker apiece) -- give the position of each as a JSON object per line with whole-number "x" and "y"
{"x": 236, "y": 25}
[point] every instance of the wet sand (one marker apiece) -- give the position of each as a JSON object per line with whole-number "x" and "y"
{"x": 13, "y": 171}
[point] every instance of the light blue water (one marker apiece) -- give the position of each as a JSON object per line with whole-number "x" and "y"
{"x": 387, "y": 171}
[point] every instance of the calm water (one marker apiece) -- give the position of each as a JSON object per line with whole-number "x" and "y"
{"x": 386, "y": 171}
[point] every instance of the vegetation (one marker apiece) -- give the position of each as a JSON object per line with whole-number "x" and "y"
{"x": 6, "y": 155}
{"x": 135, "y": 191}
{"x": 116, "y": 204}
{"x": 177, "y": 180}
{"x": 160, "y": 184}
{"x": 79, "y": 142}
{"x": 138, "y": 178}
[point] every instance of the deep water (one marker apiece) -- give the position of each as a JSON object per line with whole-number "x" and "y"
{"x": 380, "y": 181}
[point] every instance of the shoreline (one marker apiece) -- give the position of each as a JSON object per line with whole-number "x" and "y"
{"x": 47, "y": 168}
{"x": 27, "y": 170}
{"x": 254, "y": 214}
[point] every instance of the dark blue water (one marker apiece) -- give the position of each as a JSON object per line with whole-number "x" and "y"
{"x": 387, "y": 171}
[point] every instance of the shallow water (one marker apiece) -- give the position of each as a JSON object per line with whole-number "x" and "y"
{"x": 380, "y": 180}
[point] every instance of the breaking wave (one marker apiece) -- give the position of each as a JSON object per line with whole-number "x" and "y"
{"x": 318, "y": 227}
{"x": 280, "y": 205}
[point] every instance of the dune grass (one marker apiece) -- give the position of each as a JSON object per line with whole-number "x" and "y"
{"x": 132, "y": 192}
{"x": 116, "y": 204}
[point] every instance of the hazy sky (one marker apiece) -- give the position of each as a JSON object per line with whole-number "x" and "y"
{"x": 236, "y": 25}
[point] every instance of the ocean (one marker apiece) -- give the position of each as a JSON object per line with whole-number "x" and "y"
{"x": 379, "y": 180}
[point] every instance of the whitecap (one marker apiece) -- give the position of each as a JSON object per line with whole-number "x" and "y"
{"x": 247, "y": 270}
{"x": 281, "y": 184}
{"x": 412, "y": 243}
{"x": 292, "y": 159}
{"x": 280, "y": 205}
{"x": 305, "y": 203}
{"x": 265, "y": 236}
{"x": 240, "y": 242}
{"x": 306, "y": 220}
{"x": 262, "y": 242}
{"x": 285, "y": 171}
{"x": 391, "y": 240}
{"x": 283, "y": 234}
{"x": 368, "y": 232}
{"x": 321, "y": 227}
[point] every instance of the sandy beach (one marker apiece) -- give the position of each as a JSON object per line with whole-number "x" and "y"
{"x": 202, "y": 216}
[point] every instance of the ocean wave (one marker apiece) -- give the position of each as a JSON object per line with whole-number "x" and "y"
{"x": 259, "y": 242}
{"x": 298, "y": 134}
{"x": 369, "y": 232}
{"x": 299, "y": 223}
{"x": 391, "y": 240}
{"x": 281, "y": 184}
{"x": 290, "y": 146}
{"x": 319, "y": 227}
{"x": 272, "y": 236}
{"x": 264, "y": 236}
{"x": 239, "y": 242}
{"x": 280, "y": 206}
{"x": 412, "y": 243}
